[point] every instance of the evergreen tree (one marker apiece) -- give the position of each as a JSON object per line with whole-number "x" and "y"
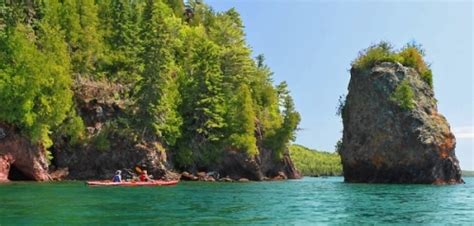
{"x": 122, "y": 39}
{"x": 236, "y": 64}
{"x": 291, "y": 118}
{"x": 79, "y": 18}
{"x": 267, "y": 101}
{"x": 243, "y": 122}
{"x": 158, "y": 95}
{"x": 203, "y": 107}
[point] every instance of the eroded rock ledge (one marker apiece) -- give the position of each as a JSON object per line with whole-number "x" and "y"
{"x": 385, "y": 143}
{"x": 19, "y": 158}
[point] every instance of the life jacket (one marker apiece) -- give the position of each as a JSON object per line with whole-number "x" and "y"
{"x": 117, "y": 178}
{"x": 143, "y": 177}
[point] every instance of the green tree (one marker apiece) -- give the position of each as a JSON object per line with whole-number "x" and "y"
{"x": 121, "y": 35}
{"x": 35, "y": 84}
{"x": 237, "y": 66}
{"x": 203, "y": 107}
{"x": 291, "y": 118}
{"x": 79, "y": 19}
{"x": 158, "y": 95}
{"x": 266, "y": 99}
{"x": 243, "y": 122}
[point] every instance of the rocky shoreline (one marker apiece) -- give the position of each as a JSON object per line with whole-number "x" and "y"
{"x": 22, "y": 160}
{"x": 215, "y": 177}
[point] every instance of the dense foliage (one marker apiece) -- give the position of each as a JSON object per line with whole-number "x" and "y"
{"x": 411, "y": 55}
{"x": 315, "y": 163}
{"x": 190, "y": 79}
{"x": 35, "y": 81}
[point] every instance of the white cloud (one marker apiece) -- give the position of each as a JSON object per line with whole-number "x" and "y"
{"x": 464, "y": 132}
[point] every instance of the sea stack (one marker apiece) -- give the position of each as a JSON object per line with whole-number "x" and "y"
{"x": 393, "y": 132}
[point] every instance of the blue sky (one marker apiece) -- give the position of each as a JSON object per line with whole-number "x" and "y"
{"x": 310, "y": 44}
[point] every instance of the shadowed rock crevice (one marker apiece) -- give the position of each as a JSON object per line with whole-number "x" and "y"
{"x": 387, "y": 142}
{"x": 262, "y": 167}
{"x": 16, "y": 174}
{"x": 19, "y": 158}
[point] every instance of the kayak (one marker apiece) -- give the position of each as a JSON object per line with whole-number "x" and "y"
{"x": 132, "y": 183}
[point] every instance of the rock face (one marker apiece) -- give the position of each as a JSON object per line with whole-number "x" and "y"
{"x": 385, "y": 143}
{"x": 97, "y": 107}
{"x": 237, "y": 165}
{"x": 19, "y": 158}
{"x": 89, "y": 163}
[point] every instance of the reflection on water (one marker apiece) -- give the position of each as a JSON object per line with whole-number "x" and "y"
{"x": 310, "y": 200}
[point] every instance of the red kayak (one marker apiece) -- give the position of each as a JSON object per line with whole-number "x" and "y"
{"x": 133, "y": 183}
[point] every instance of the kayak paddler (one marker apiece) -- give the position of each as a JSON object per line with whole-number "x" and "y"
{"x": 144, "y": 176}
{"x": 118, "y": 177}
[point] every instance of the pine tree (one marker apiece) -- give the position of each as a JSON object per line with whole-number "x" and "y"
{"x": 236, "y": 64}
{"x": 203, "y": 107}
{"x": 158, "y": 95}
{"x": 291, "y": 118}
{"x": 267, "y": 103}
{"x": 243, "y": 122}
{"x": 79, "y": 19}
{"x": 122, "y": 40}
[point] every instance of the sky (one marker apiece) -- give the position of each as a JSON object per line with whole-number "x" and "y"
{"x": 310, "y": 44}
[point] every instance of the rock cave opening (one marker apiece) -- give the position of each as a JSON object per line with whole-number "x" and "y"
{"x": 16, "y": 174}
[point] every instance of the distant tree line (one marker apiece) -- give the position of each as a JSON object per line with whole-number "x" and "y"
{"x": 315, "y": 163}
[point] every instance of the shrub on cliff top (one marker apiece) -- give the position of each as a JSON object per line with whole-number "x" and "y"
{"x": 411, "y": 55}
{"x": 382, "y": 52}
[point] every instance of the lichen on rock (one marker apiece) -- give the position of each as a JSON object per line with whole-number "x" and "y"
{"x": 394, "y": 134}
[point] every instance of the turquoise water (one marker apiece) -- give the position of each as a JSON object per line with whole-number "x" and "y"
{"x": 306, "y": 201}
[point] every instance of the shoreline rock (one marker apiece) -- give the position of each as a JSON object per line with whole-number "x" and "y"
{"x": 19, "y": 158}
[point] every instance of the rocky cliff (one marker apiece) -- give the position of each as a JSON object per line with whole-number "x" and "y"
{"x": 238, "y": 165}
{"x": 19, "y": 158}
{"x": 106, "y": 148}
{"x": 99, "y": 109}
{"x": 393, "y": 132}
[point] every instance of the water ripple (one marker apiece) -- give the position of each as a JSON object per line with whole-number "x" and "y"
{"x": 297, "y": 202}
